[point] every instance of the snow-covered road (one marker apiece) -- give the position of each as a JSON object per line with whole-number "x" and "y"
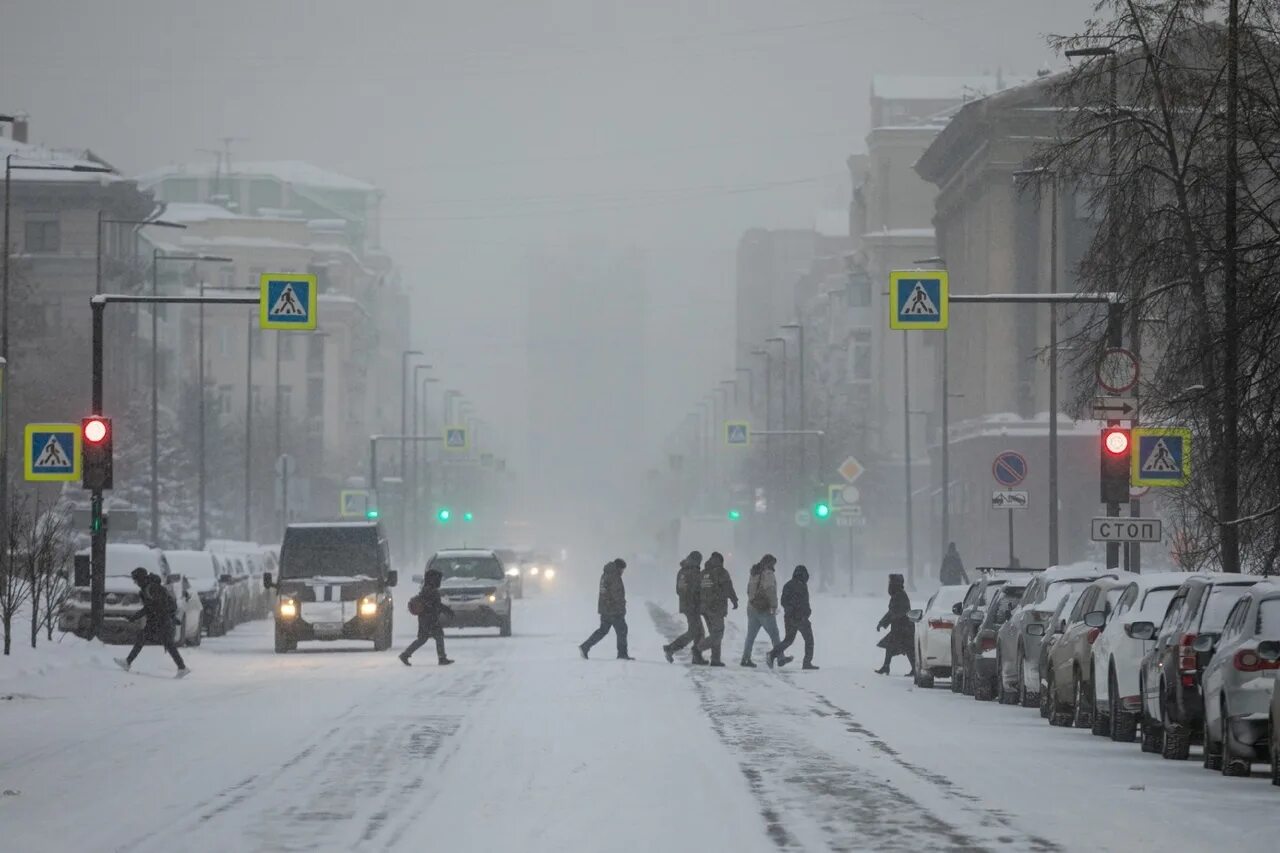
{"x": 523, "y": 746}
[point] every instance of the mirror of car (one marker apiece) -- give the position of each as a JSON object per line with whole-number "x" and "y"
{"x": 915, "y": 615}
{"x": 957, "y": 609}
{"x": 1095, "y": 619}
{"x": 1141, "y": 630}
{"x": 392, "y": 577}
{"x": 267, "y": 580}
{"x": 229, "y": 579}
{"x": 1269, "y": 650}
{"x": 1035, "y": 629}
{"x": 1204, "y": 643}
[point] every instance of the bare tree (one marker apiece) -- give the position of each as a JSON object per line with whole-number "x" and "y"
{"x": 15, "y": 589}
{"x": 46, "y": 547}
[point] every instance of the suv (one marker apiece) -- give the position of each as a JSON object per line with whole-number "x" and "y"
{"x": 211, "y": 582}
{"x": 334, "y": 584}
{"x": 983, "y": 660}
{"x": 971, "y": 611}
{"x": 1172, "y": 707}
{"x": 476, "y": 586}
{"x": 1071, "y": 676}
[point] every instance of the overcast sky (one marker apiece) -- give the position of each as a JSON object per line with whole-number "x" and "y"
{"x": 503, "y": 128}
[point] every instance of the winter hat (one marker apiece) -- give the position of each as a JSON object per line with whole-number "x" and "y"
{"x": 619, "y": 564}
{"x": 896, "y": 581}
{"x": 716, "y": 557}
{"x": 801, "y": 572}
{"x": 432, "y": 578}
{"x": 139, "y": 575}
{"x": 768, "y": 560}
{"x": 695, "y": 557}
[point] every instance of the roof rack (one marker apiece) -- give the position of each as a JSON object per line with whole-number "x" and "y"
{"x": 1020, "y": 570}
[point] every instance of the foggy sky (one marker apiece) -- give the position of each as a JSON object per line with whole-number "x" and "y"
{"x": 503, "y": 129}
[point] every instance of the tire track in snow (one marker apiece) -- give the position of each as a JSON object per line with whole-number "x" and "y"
{"x": 811, "y": 796}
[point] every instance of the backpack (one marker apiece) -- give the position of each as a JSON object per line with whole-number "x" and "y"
{"x": 168, "y": 604}
{"x": 416, "y": 605}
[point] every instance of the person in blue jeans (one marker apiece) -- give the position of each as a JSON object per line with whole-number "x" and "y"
{"x": 762, "y": 607}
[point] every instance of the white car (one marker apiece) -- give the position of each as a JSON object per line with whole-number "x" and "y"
{"x": 933, "y": 634}
{"x": 1238, "y": 682}
{"x": 476, "y": 587}
{"x": 1117, "y": 654}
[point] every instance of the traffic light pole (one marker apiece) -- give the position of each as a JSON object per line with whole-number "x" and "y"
{"x": 97, "y": 528}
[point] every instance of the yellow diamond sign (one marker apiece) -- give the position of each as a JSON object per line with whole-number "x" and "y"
{"x": 851, "y": 469}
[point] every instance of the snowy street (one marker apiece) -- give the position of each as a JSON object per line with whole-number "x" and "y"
{"x": 521, "y": 745}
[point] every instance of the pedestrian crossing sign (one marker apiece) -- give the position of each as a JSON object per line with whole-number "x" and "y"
{"x": 737, "y": 433}
{"x": 288, "y": 301}
{"x": 918, "y": 299}
{"x": 354, "y": 503}
{"x": 456, "y": 439}
{"x": 1161, "y": 456}
{"x": 52, "y": 452}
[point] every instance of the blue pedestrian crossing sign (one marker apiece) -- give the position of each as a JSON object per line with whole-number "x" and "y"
{"x": 918, "y": 299}
{"x": 52, "y": 452}
{"x": 456, "y": 438}
{"x": 354, "y": 503}
{"x": 1161, "y": 456}
{"x": 288, "y": 301}
{"x": 737, "y": 433}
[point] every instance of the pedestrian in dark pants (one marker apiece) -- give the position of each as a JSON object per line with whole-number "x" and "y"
{"x": 688, "y": 589}
{"x": 762, "y": 608}
{"x": 952, "y": 570}
{"x": 613, "y": 610}
{"x": 795, "y": 618}
{"x": 161, "y": 613}
{"x": 429, "y": 607}
{"x": 716, "y": 591}
{"x": 899, "y": 640}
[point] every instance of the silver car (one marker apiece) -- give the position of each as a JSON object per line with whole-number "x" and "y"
{"x": 1018, "y": 650}
{"x": 1238, "y": 681}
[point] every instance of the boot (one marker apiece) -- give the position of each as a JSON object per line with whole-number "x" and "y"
{"x": 582, "y": 650}
{"x": 625, "y": 656}
{"x": 784, "y": 660}
{"x": 404, "y": 659}
{"x": 183, "y": 672}
{"x": 123, "y": 663}
{"x": 443, "y": 661}
{"x": 748, "y": 664}
{"x": 808, "y": 665}
{"x": 884, "y": 670}
{"x": 667, "y": 653}
{"x": 769, "y": 658}
{"x": 717, "y": 663}
{"x": 699, "y": 660}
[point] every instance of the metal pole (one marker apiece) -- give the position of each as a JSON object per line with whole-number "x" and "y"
{"x": 248, "y": 430}
{"x": 1009, "y": 513}
{"x": 155, "y": 403}
{"x": 97, "y": 530}
{"x": 201, "y": 509}
{"x": 97, "y": 274}
{"x": 906, "y": 439}
{"x": 4, "y": 354}
{"x": 946, "y": 446}
{"x": 1053, "y": 379}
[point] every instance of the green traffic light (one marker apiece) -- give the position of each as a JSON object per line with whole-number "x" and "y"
{"x": 371, "y": 514}
{"x": 734, "y": 515}
{"x": 821, "y": 510}
{"x": 443, "y": 515}
{"x": 466, "y": 516}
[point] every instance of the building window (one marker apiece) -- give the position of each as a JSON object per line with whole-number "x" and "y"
{"x": 41, "y": 233}
{"x": 862, "y": 355}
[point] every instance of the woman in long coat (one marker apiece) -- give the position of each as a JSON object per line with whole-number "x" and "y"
{"x": 901, "y": 637}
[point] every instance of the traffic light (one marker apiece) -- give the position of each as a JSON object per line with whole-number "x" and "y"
{"x": 443, "y": 515}
{"x": 95, "y": 449}
{"x": 735, "y": 515}
{"x": 371, "y": 513}
{"x": 1116, "y": 452}
{"x": 821, "y": 510}
{"x": 467, "y": 516}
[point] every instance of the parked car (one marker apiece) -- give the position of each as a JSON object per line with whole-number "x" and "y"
{"x": 1118, "y": 654}
{"x": 476, "y": 587}
{"x": 210, "y": 582}
{"x": 1172, "y": 705}
{"x": 123, "y": 600}
{"x": 983, "y": 657}
{"x": 1049, "y": 635}
{"x": 241, "y": 594}
{"x": 1071, "y": 661}
{"x": 1273, "y": 735}
{"x": 971, "y": 611}
{"x": 511, "y": 568}
{"x": 1238, "y": 682}
{"x": 1019, "y": 651}
{"x": 933, "y": 634}
{"x": 251, "y": 563}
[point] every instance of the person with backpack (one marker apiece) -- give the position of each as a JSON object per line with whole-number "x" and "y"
{"x": 901, "y": 637}
{"x": 428, "y": 607}
{"x": 762, "y": 607}
{"x": 161, "y": 612}
{"x": 612, "y": 607}
{"x": 795, "y": 619}
{"x": 688, "y": 589}
{"x": 715, "y": 593}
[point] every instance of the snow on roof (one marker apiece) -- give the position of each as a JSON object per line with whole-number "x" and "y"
{"x": 297, "y": 172}
{"x": 182, "y": 211}
{"x": 25, "y": 154}
{"x": 912, "y": 87}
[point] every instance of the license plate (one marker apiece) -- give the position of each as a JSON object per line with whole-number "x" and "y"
{"x": 329, "y": 628}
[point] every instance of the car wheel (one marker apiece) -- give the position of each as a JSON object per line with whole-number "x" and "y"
{"x": 1177, "y": 740}
{"x": 1212, "y": 751}
{"x": 1124, "y": 726}
{"x": 1081, "y": 713}
{"x": 969, "y": 683}
{"x": 1059, "y": 712}
{"x": 1006, "y": 695}
{"x": 957, "y": 676}
{"x": 1101, "y": 722}
{"x": 382, "y": 640}
{"x": 504, "y": 626}
{"x": 1232, "y": 762}
{"x": 1045, "y": 709}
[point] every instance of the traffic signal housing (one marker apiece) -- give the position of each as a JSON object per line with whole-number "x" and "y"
{"x": 96, "y": 452}
{"x": 1116, "y": 451}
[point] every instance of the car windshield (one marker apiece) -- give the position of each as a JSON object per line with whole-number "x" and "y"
{"x": 479, "y": 568}
{"x": 192, "y": 564}
{"x": 949, "y": 596}
{"x": 1156, "y": 601}
{"x": 1072, "y": 588}
{"x": 1221, "y": 600}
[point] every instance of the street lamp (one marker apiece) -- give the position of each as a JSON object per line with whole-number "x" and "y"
{"x": 102, "y": 220}
{"x": 9, "y": 168}
{"x": 425, "y": 486}
{"x": 946, "y": 424}
{"x": 417, "y": 449}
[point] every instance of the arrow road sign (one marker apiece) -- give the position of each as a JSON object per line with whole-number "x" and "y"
{"x": 51, "y": 452}
{"x": 918, "y": 299}
{"x": 1009, "y": 499}
{"x": 1009, "y": 468}
{"x": 288, "y": 301}
{"x": 1126, "y": 530}
{"x": 1114, "y": 408}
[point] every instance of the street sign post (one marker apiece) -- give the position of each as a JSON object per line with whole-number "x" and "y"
{"x": 1117, "y": 370}
{"x": 918, "y": 299}
{"x": 51, "y": 452}
{"x": 456, "y": 438}
{"x": 1161, "y": 456}
{"x": 288, "y": 301}
{"x": 1114, "y": 408}
{"x": 1126, "y": 530}
{"x": 737, "y": 433}
{"x": 1009, "y": 468}
{"x": 1010, "y": 499}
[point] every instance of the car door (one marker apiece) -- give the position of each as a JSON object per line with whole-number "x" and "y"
{"x": 1153, "y": 663}
{"x": 1216, "y": 670}
{"x": 1064, "y": 652}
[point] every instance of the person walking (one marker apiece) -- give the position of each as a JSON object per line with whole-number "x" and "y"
{"x": 762, "y": 607}
{"x": 161, "y": 612}
{"x": 428, "y": 607}
{"x": 899, "y": 640}
{"x": 715, "y": 594}
{"x": 952, "y": 572}
{"x": 612, "y": 607}
{"x": 795, "y": 618}
{"x": 688, "y": 589}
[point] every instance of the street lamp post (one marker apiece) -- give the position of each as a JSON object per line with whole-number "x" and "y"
{"x": 404, "y": 429}
{"x": 201, "y": 507}
{"x": 751, "y": 387}
{"x": 411, "y": 543}
{"x": 425, "y": 488}
{"x": 801, "y": 475}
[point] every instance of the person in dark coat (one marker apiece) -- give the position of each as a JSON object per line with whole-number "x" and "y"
{"x": 612, "y": 607}
{"x": 901, "y": 636}
{"x": 952, "y": 570}
{"x": 715, "y": 594}
{"x": 430, "y": 608}
{"x": 161, "y": 613}
{"x": 688, "y": 592}
{"x": 795, "y": 618}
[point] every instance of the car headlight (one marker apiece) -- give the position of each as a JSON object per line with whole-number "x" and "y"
{"x": 533, "y": 570}
{"x": 493, "y": 597}
{"x": 288, "y": 608}
{"x": 513, "y": 572}
{"x": 368, "y": 606}
{"x": 549, "y": 574}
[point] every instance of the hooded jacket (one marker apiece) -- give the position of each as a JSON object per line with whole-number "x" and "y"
{"x": 762, "y": 589}
{"x": 688, "y": 586}
{"x": 795, "y": 596}
{"x": 613, "y": 595}
{"x": 159, "y": 609}
{"x": 432, "y": 606}
{"x": 901, "y": 630}
{"x": 717, "y": 589}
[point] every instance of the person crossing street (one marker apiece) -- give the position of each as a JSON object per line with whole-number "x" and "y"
{"x": 429, "y": 607}
{"x": 795, "y": 619}
{"x": 160, "y": 610}
{"x": 612, "y": 607}
{"x": 762, "y": 607}
{"x": 900, "y": 639}
{"x": 715, "y": 594}
{"x": 688, "y": 592}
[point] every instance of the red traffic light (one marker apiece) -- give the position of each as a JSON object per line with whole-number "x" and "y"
{"x": 95, "y": 430}
{"x": 1116, "y": 441}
